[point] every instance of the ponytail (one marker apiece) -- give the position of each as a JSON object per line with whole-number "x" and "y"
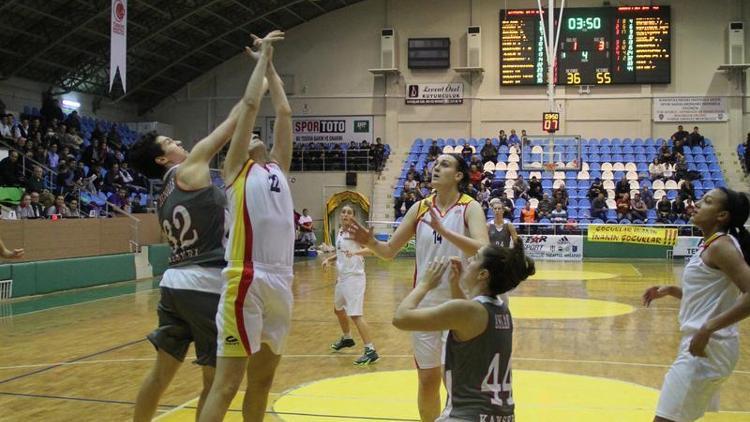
{"x": 738, "y": 205}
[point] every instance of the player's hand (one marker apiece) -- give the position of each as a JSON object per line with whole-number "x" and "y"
{"x": 434, "y": 273}
{"x": 325, "y": 263}
{"x": 13, "y": 254}
{"x": 457, "y": 268}
{"x": 655, "y": 292}
{"x": 435, "y": 222}
{"x": 699, "y": 342}
{"x": 360, "y": 234}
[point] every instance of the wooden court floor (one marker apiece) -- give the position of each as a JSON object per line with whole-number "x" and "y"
{"x": 85, "y": 361}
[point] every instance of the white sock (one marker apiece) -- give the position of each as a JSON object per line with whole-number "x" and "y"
{"x": 347, "y": 336}
{"x": 370, "y": 346}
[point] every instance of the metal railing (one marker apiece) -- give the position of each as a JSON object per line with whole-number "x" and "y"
{"x": 334, "y": 160}
{"x": 50, "y": 176}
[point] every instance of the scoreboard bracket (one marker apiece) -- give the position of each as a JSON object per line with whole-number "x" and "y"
{"x": 379, "y": 72}
{"x": 469, "y": 69}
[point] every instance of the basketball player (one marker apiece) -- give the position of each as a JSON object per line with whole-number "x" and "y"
{"x": 349, "y": 295}
{"x": 447, "y": 223}
{"x": 256, "y": 302}
{"x": 500, "y": 231}
{"x": 480, "y": 340}
{"x": 714, "y": 298}
{"x": 192, "y": 216}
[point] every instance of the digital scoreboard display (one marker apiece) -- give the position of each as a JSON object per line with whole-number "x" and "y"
{"x": 597, "y": 46}
{"x": 550, "y": 122}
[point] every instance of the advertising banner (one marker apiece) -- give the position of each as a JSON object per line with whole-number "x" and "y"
{"x": 690, "y": 109}
{"x": 553, "y": 247}
{"x": 338, "y": 129}
{"x": 443, "y": 93}
{"x": 686, "y": 246}
{"x": 632, "y": 234}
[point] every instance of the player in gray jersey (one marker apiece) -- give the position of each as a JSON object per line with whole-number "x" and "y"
{"x": 477, "y": 370}
{"x": 192, "y": 218}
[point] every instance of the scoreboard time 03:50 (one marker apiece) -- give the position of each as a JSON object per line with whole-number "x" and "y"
{"x": 597, "y": 46}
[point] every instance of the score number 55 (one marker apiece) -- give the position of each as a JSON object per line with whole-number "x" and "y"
{"x": 602, "y": 78}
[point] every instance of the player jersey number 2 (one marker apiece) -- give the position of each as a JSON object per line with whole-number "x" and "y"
{"x": 496, "y": 386}
{"x": 274, "y": 179}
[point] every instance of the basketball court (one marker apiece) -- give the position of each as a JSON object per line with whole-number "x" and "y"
{"x": 580, "y": 333}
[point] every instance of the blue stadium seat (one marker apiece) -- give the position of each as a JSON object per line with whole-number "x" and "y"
{"x": 625, "y": 221}
{"x": 671, "y": 195}
{"x": 611, "y": 214}
{"x": 627, "y": 141}
{"x": 593, "y": 174}
{"x": 616, "y": 142}
{"x": 649, "y": 142}
{"x": 593, "y": 141}
{"x": 584, "y": 184}
{"x": 461, "y": 141}
{"x": 595, "y": 167}
{"x": 708, "y": 185}
{"x": 546, "y": 183}
{"x": 714, "y": 167}
{"x": 628, "y": 149}
{"x": 604, "y": 141}
{"x": 638, "y": 142}
{"x": 641, "y": 167}
{"x": 597, "y": 221}
{"x": 572, "y": 213}
{"x": 517, "y": 211}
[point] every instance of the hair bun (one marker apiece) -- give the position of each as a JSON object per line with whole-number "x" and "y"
{"x": 530, "y": 268}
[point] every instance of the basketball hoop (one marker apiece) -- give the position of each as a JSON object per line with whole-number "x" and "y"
{"x": 550, "y": 166}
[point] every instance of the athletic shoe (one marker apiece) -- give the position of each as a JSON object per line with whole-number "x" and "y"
{"x": 342, "y": 343}
{"x": 369, "y": 357}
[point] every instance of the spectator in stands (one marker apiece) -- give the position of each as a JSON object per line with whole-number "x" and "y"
{"x": 559, "y": 215}
{"x": 507, "y": 204}
{"x": 678, "y": 209}
{"x": 424, "y": 190}
{"x": 73, "y": 121}
{"x": 65, "y": 177}
{"x": 665, "y": 154}
{"x": 6, "y": 126}
{"x": 411, "y": 198}
{"x": 73, "y": 210}
{"x": 535, "y": 188}
{"x": 489, "y": 152}
{"x": 560, "y": 196}
{"x": 622, "y": 187}
{"x": 398, "y": 205}
{"x": 123, "y": 176}
{"x": 475, "y": 176}
{"x": 638, "y": 208}
{"x": 98, "y": 132}
{"x": 687, "y": 191}
{"x": 695, "y": 139}
{"x": 623, "y": 207}
{"x": 595, "y": 189}
{"x": 545, "y": 207}
{"x": 72, "y": 140}
{"x": 307, "y": 233}
{"x": 53, "y": 158}
{"x": 413, "y": 171}
{"x": 524, "y": 137}
{"x": 410, "y": 184}
{"x": 24, "y": 209}
{"x": 648, "y": 197}
{"x": 113, "y": 137}
{"x": 656, "y": 169}
{"x": 51, "y": 110}
{"x": 21, "y": 130}
{"x": 513, "y": 139}
{"x": 10, "y": 170}
{"x": 36, "y": 204}
{"x": 435, "y": 149}
{"x": 36, "y": 127}
{"x": 747, "y": 154}
{"x": 520, "y": 188}
{"x": 466, "y": 154}
{"x": 41, "y": 155}
{"x": 677, "y": 148}
{"x": 680, "y": 168}
{"x": 502, "y": 138}
{"x": 35, "y": 183}
{"x": 599, "y": 207}
{"x": 377, "y": 150}
{"x": 528, "y": 214}
{"x": 483, "y": 197}
{"x": 59, "y": 208}
{"x": 664, "y": 210}
{"x": 680, "y": 135}
{"x": 121, "y": 199}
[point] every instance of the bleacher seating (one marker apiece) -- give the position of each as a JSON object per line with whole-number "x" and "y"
{"x": 607, "y": 159}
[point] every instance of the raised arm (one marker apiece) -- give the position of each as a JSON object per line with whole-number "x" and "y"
{"x": 387, "y": 250}
{"x": 282, "y": 127}
{"x": 249, "y": 106}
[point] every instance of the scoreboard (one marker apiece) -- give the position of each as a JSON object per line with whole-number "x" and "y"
{"x": 597, "y": 46}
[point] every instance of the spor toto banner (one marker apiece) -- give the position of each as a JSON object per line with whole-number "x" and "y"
{"x": 445, "y": 93}
{"x": 553, "y": 247}
{"x": 327, "y": 129}
{"x": 632, "y": 234}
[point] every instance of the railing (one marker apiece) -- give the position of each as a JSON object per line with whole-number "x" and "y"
{"x": 333, "y": 160}
{"x": 135, "y": 245}
{"x": 50, "y": 176}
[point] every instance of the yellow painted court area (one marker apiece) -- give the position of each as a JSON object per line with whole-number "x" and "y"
{"x": 527, "y": 307}
{"x": 389, "y": 396}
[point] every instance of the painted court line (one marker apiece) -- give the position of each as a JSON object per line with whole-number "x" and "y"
{"x": 101, "y": 352}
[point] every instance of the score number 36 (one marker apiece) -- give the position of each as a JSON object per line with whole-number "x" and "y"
{"x": 602, "y": 78}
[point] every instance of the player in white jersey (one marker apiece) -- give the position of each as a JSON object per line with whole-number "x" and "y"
{"x": 349, "y": 295}
{"x": 446, "y": 224}
{"x": 714, "y": 298}
{"x": 255, "y": 308}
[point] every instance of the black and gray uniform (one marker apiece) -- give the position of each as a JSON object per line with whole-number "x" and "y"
{"x": 499, "y": 237}
{"x": 194, "y": 224}
{"x": 477, "y": 371}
